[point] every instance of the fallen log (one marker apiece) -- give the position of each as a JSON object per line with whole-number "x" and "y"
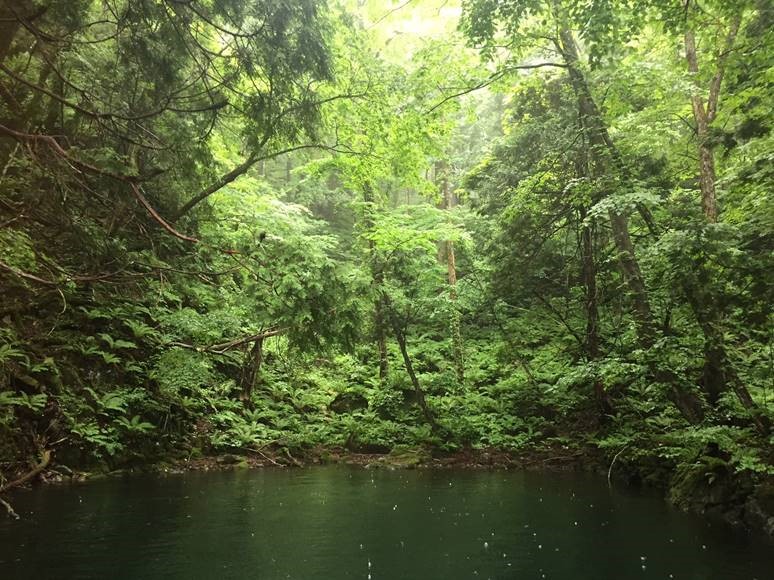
{"x": 45, "y": 459}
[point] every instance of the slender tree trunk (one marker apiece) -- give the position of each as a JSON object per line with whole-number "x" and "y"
{"x": 706, "y": 158}
{"x": 451, "y": 269}
{"x": 630, "y": 268}
{"x": 400, "y": 336}
{"x": 381, "y": 336}
{"x": 252, "y": 370}
{"x": 592, "y": 311}
{"x": 456, "y": 319}
{"x": 704, "y": 113}
{"x": 377, "y": 277}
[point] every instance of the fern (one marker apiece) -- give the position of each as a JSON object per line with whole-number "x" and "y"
{"x": 32, "y": 402}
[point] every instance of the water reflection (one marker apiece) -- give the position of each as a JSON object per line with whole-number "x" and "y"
{"x": 333, "y": 523}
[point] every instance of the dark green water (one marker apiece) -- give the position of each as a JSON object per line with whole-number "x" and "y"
{"x": 331, "y": 523}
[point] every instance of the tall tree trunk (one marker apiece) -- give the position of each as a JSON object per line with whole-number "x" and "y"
{"x": 591, "y": 305}
{"x": 643, "y": 317}
{"x": 701, "y": 118}
{"x": 451, "y": 269}
{"x": 377, "y": 277}
{"x": 589, "y": 268}
{"x": 718, "y": 373}
{"x": 600, "y": 143}
{"x": 381, "y": 336}
{"x": 704, "y": 113}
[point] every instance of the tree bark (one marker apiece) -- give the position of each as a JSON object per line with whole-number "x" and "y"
{"x": 451, "y": 271}
{"x": 704, "y": 114}
{"x": 377, "y": 277}
{"x": 600, "y": 143}
{"x": 400, "y": 336}
{"x": 381, "y": 336}
{"x": 589, "y": 268}
{"x": 252, "y": 370}
{"x": 718, "y": 373}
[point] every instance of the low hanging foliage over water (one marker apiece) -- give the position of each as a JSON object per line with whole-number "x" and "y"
{"x": 532, "y": 229}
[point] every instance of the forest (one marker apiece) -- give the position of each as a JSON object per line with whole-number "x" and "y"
{"x": 536, "y": 233}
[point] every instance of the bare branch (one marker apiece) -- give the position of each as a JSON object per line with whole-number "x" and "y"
{"x": 78, "y": 164}
{"x": 224, "y": 347}
{"x": 493, "y": 78}
{"x": 26, "y": 275}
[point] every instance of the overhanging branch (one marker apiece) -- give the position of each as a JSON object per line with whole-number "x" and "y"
{"x": 493, "y": 78}
{"x": 223, "y": 347}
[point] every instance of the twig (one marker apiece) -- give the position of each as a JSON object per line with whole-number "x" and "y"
{"x": 8, "y": 507}
{"x": 295, "y": 461}
{"x": 262, "y": 454}
{"x": 610, "y": 470}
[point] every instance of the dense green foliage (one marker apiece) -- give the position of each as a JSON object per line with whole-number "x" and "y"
{"x": 235, "y": 226}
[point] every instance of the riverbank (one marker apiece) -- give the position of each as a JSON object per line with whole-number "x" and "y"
{"x": 707, "y": 489}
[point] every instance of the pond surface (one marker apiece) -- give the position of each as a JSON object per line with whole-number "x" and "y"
{"x": 334, "y": 523}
